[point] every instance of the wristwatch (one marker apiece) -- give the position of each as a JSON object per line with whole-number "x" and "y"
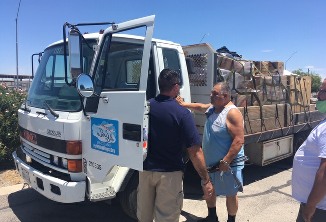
{"x": 224, "y": 162}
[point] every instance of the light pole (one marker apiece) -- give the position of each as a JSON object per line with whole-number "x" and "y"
{"x": 17, "y": 44}
{"x": 289, "y": 59}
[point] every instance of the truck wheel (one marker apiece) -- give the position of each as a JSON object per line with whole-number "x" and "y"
{"x": 128, "y": 197}
{"x": 298, "y": 140}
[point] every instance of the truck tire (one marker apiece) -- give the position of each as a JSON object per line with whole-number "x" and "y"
{"x": 298, "y": 139}
{"x": 128, "y": 197}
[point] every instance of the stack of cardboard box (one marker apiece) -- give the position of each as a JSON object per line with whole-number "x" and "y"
{"x": 266, "y": 79}
{"x": 271, "y": 117}
{"x": 268, "y": 68}
{"x": 299, "y": 88}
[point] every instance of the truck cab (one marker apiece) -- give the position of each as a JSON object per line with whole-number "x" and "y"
{"x": 46, "y": 119}
{"x": 75, "y": 148}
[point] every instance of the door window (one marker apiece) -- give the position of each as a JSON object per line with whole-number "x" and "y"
{"x": 119, "y": 66}
{"x": 171, "y": 60}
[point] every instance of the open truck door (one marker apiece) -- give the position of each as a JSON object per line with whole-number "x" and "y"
{"x": 115, "y": 130}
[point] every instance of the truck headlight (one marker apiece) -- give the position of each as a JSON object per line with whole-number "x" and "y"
{"x": 28, "y": 159}
{"x": 56, "y": 160}
{"x": 64, "y": 163}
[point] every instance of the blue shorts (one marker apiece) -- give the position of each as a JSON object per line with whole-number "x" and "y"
{"x": 225, "y": 185}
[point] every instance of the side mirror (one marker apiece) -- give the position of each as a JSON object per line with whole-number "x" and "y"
{"x": 75, "y": 59}
{"x": 85, "y": 85}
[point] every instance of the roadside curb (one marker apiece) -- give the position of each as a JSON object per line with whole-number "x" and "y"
{"x": 11, "y": 189}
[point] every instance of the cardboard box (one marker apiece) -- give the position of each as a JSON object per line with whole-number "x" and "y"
{"x": 224, "y": 62}
{"x": 262, "y": 66}
{"x": 274, "y": 80}
{"x": 274, "y": 116}
{"x": 299, "y": 88}
{"x": 301, "y": 109}
{"x": 242, "y": 67}
{"x": 276, "y": 67}
{"x": 269, "y": 68}
{"x": 256, "y": 126}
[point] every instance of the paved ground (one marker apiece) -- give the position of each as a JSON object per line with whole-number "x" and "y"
{"x": 263, "y": 200}
{"x": 266, "y": 198}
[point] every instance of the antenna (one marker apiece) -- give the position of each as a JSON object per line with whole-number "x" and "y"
{"x": 206, "y": 34}
{"x": 289, "y": 58}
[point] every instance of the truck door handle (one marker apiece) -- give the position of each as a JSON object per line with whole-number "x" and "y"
{"x": 131, "y": 131}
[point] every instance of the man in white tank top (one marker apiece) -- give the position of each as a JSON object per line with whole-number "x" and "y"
{"x": 223, "y": 141}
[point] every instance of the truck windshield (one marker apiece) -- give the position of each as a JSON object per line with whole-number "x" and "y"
{"x": 49, "y": 83}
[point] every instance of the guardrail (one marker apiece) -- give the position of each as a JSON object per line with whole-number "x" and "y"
{"x": 24, "y": 81}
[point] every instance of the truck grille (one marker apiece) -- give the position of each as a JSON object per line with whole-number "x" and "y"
{"x": 36, "y": 154}
{"x": 41, "y": 157}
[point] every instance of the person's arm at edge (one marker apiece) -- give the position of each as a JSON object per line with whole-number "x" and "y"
{"x": 234, "y": 121}
{"x": 318, "y": 191}
{"x": 197, "y": 107}
{"x": 197, "y": 158}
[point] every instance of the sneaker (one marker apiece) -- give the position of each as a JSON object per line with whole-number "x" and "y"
{"x": 208, "y": 219}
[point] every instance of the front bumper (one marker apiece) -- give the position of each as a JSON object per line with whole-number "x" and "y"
{"x": 53, "y": 188}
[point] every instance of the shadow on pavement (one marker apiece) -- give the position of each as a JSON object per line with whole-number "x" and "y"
{"x": 251, "y": 174}
{"x": 189, "y": 217}
{"x": 30, "y": 206}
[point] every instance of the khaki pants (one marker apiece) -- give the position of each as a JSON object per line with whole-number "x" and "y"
{"x": 159, "y": 196}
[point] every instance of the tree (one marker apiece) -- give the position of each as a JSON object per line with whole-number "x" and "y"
{"x": 315, "y": 79}
{"x": 10, "y": 101}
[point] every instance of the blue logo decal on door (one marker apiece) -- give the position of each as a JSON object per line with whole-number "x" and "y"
{"x": 105, "y": 135}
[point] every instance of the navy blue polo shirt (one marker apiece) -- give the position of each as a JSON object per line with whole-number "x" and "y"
{"x": 171, "y": 128}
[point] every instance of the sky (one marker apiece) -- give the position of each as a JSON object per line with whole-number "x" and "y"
{"x": 292, "y": 31}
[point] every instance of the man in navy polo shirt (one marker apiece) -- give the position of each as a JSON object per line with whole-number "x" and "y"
{"x": 160, "y": 190}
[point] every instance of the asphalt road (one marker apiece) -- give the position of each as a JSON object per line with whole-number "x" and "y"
{"x": 266, "y": 197}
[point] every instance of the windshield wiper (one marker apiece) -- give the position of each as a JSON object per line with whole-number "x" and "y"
{"x": 41, "y": 113}
{"x": 56, "y": 115}
{"x": 25, "y": 107}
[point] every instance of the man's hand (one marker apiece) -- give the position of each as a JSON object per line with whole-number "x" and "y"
{"x": 208, "y": 190}
{"x": 179, "y": 99}
{"x": 224, "y": 166}
{"x": 307, "y": 212}
{"x": 197, "y": 158}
